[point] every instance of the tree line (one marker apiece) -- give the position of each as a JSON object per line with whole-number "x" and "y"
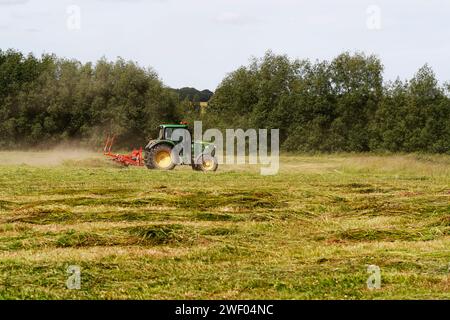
{"x": 50, "y": 101}
{"x": 339, "y": 105}
{"x": 325, "y": 106}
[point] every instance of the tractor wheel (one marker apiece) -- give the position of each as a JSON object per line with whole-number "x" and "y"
{"x": 147, "y": 160}
{"x": 160, "y": 157}
{"x": 208, "y": 163}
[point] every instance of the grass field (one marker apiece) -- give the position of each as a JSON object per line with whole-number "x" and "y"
{"x": 309, "y": 232}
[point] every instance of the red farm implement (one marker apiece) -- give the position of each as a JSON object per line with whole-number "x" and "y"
{"x": 133, "y": 159}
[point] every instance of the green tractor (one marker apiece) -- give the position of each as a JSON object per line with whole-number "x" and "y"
{"x": 159, "y": 152}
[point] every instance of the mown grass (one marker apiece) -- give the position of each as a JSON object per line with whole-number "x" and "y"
{"x": 309, "y": 232}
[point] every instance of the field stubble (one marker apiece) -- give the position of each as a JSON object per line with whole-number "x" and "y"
{"x": 309, "y": 232}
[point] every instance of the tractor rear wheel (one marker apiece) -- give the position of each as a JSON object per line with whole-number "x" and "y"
{"x": 160, "y": 157}
{"x": 147, "y": 161}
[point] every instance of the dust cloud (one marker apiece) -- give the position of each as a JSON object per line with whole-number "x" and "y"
{"x": 53, "y": 157}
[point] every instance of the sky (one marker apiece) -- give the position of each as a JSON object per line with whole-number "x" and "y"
{"x": 196, "y": 43}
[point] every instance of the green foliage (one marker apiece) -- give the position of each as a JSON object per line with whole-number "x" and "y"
{"x": 193, "y": 95}
{"x": 414, "y": 116}
{"x": 335, "y": 106}
{"x": 327, "y": 106}
{"x": 55, "y": 100}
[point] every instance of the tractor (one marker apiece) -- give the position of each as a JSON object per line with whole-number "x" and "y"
{"x": 159, "y": 155}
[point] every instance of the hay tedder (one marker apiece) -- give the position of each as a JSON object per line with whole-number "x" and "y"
{"x": 158, "y": 152}
{"x": 133, "y": 159}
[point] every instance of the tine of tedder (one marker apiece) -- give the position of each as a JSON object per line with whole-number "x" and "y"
{"x": 111, "y": 144}
{"x": 106, "y": 144}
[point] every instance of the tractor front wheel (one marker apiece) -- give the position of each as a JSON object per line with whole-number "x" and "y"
{"x": 207, "y": 163}
{"x": 160, "y": 157}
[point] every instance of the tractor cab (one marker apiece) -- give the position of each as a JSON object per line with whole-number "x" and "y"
{"x": 166, "y": 130}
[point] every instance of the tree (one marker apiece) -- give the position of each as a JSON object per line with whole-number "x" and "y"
{"x": 414, "y": 116}
{"x": 358, "y": 85}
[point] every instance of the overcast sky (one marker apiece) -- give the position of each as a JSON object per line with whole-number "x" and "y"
{"x": 196, "y": 42}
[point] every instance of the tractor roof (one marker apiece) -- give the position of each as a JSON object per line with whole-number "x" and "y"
{"x": 184, "y": 126}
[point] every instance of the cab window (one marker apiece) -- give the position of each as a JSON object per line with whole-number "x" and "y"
{"x": 168, "y": 133}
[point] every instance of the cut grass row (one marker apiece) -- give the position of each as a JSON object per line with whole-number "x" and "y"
{"x": 308, "y": 232}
